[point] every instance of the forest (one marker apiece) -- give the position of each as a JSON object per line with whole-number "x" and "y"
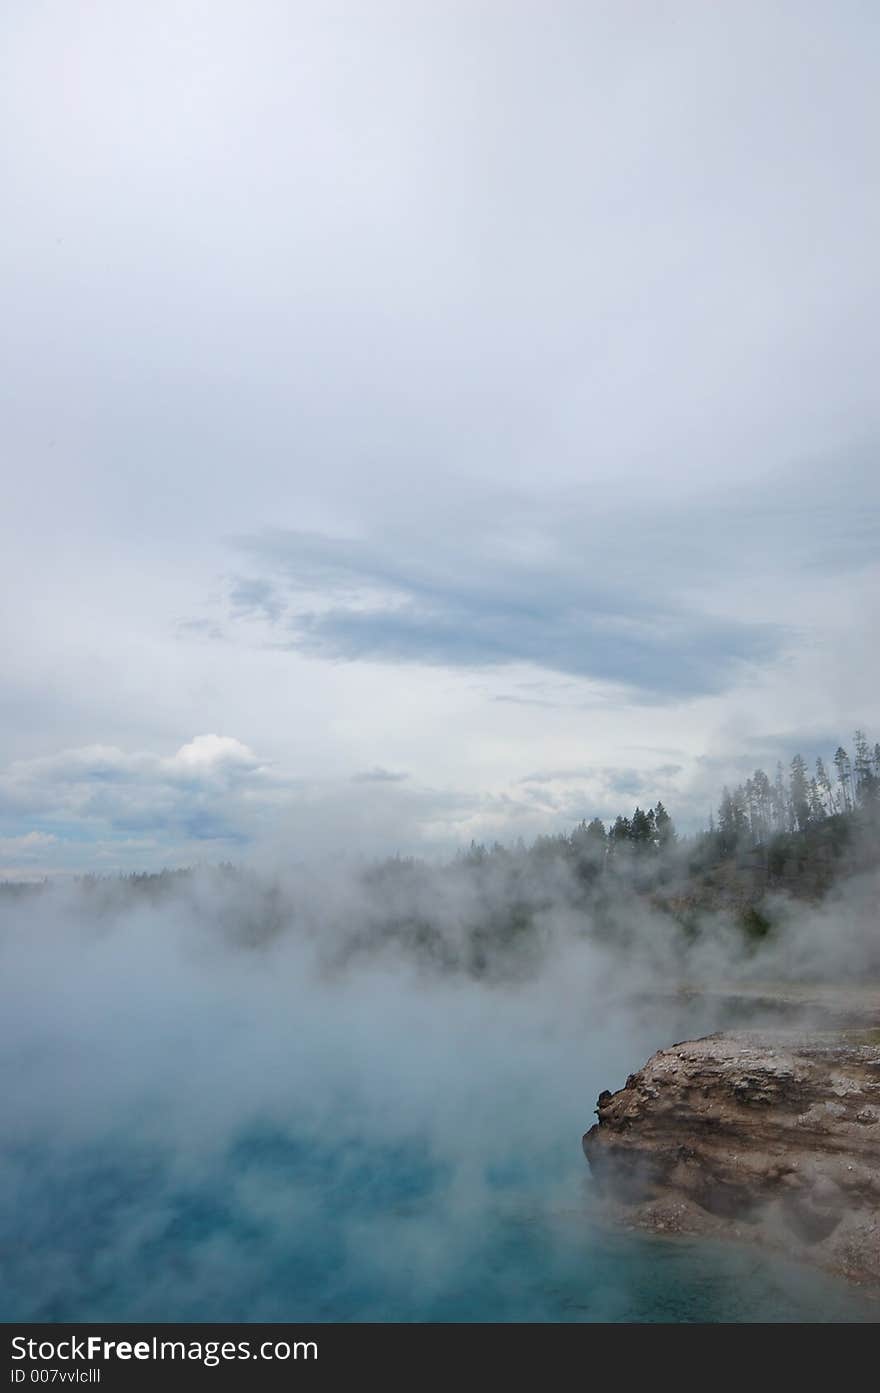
{"x": 775, "y": 825}
{"x": 495, "y": 910}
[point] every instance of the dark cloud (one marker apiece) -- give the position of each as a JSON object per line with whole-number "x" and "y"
{"x": 249, "y": 597}
{"x": 468, "y": 608}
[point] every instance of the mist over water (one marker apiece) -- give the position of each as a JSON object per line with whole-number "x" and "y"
{"x": 220, "y": 1105}
{"x": 424, "y": 423}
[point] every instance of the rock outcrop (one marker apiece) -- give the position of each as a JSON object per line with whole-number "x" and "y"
{"x": 765, "y": 1136}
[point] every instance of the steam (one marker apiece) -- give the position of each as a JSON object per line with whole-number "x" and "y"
{"x": 232, "y": 1097}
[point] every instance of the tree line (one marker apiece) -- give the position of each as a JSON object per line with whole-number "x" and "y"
{"x": 798, "y": 800}
{"x": 759, "y": 813}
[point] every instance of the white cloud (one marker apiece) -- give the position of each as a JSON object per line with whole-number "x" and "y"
{"x": 30, "y": 844}
{"x": 559, "y": 337}
{"x": 210, "y": 753}
{"x": 209, "y": 795}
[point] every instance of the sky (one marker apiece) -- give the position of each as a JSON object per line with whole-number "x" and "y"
{"x": 426, "y": 421}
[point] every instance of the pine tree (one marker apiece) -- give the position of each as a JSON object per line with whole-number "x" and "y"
{"x": 780, "y": 801}
{"x": 590, "y": 844}
{"x": 824, "y": 785}
{"x": 621, "y": 832}
{"x": 844, "y": 779}
{"x": 816, "y": 805}
{"x": 732, "y": 821}
{"x": 664, "y": 828}
{"x": 642, "y": 829}
{"x": 762, "y": 793}
{"x": 800, "y": 795}
{"x": 863, "y": 770}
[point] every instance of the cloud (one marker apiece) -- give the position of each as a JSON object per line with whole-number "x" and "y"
{"x": 363, "y": 600}
{"x": 255, "y": 597}
{"x": 207, "y": 792}
{"x": 570, "y": 794}
{"x": 213, "y": 753}
{"x": 378, "y": 776}
{"x": 104, "y": 808}
{"x": 508, "y": 350}
{"x": 612, "y": 774}
{"x": 29, "y": 844}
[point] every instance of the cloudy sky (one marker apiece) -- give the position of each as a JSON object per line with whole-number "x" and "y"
{"x": 429, "y": 419}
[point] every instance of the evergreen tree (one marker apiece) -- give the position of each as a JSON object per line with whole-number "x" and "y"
{"x": 863, "y": 771}
{"x": 642, "y": 829}
{"x": 780, "y": 801}
{"x": 664, "y": 828}
{"x": 844, "y": 779}
{"x": 816, "y": 805}
{"x": 621, "y": 832}
{"x": 800, "y": 795}
{"x": 589, "y": 844}
{"x": 762, "y": 801}
{"x": 823, "y": 784}
{"x": 733, "y": 824}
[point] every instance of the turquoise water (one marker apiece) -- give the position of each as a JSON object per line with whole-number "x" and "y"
{"x": 279, "y": 1230}
{"x": 191, "y": 1132}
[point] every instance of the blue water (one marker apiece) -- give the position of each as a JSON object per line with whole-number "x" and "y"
{"x": 279, "y": 1229}
{"x": 192, "y": 1132}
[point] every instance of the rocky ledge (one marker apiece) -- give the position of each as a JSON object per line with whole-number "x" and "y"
{"x": 767, "y": 1137}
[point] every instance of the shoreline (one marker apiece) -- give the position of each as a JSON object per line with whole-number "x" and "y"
{"x": 766, "y": 1136}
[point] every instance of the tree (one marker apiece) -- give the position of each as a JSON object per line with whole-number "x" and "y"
{"x": 817, "y": 807}
{"x": 800, "y": 795}
{"x": 642, "y": 829}
{"x": 780, "y": 801}
{"x": 733, "y": 824}
{"x": 664, "y": 828}
{"x": 863, "y": 770}
{"x": 475, "y": 854}
{"x": 621, "y": 832}
{"x": 844, "y": 779}
{"x": 759, "y": 802}
{"x": 823, "y": 783}
{"x": 590, "y": 845}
